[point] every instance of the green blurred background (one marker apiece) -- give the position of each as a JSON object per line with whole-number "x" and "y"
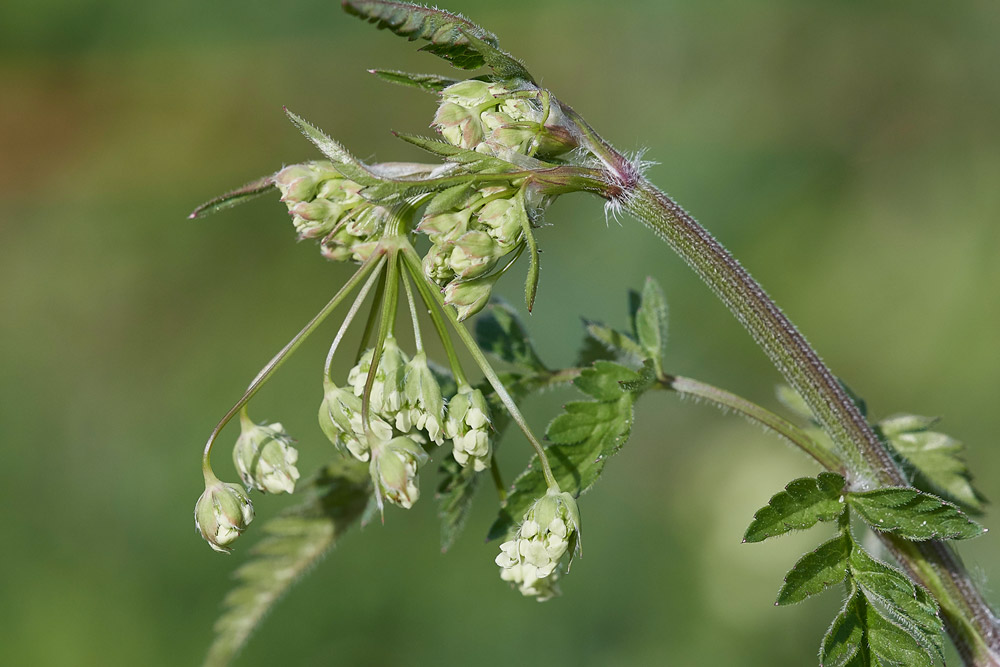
{"x": 847, "y": 152}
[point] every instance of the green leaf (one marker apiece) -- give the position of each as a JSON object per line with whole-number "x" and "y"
{"x": 934, "y": 460}
{"x": 817, "y": 570}
{"x": 844, "y": 644}
{"x": 583, "y": 438}
{"x": 911, "y": 607}
{"x": 803, "y": 502}
{"x": 454, "y": 496}
{"x": 614, "y": 343}
{"x": 913, "y": 514}
{"x": 647, "y": 378}
{"x": 448, "y": 34}
{"x": 891, "y": 645}
{"x": 235, "y": 197}
{"x": 504, "y": 65}
{"x": 499, "y": 332}
{"x": 651, "y": 322}
{"x": 428, "y": 82}
{"x": 295, "y": 540}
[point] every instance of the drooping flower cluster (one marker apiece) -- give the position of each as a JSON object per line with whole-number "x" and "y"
{"x": 265, "y": 458}
{"x": 407, "y": 414}
{"x": 549, "y": 530}
{"x": 325, "y": 205}
{"x": 470, "y": 230}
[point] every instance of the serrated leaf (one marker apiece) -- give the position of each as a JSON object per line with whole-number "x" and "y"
{"x": 647, "y": 378}
{"x": 294, "y": 541}
{"x": 614, "y": 343}
{"x": 504, "y": 65}
{"x": 817, "y": 571}
{"x": 801, "y": 505}
{"x": 235, "y": 197}
{"x": 604, "y": 380}
{"x": 454, "y": 496}
{"x": 427, "y": 82}
{"x": 447, "y": 33}
{"x": 583, "y": 438}
{"x": 844, "y": 643}
{"x": 891, "y": 645}
{"x": 913, "y": 514}
{"x": 651, "y": 322}
{"x": 449, "y": 199}
{"x": 499, "y": 332}
{"x": 933, "y": 459}
{"x": 910, "y": 606}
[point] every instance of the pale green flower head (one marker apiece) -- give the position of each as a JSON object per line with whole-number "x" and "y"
{"x": 222, "y": 513}
{"x": 394, "y": 468}
{"x": 549, "y": 530}
{"x": 473, "y": 254}
{"x": 265, "y": 458}
{"x": 501, "y": 219}
{"x": 437, "y": 264}
{"x": 467, "y": 426}
{"x": 445, "y": 227}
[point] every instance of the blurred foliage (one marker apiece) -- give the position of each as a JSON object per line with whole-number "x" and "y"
{"x": 847, "y": 152}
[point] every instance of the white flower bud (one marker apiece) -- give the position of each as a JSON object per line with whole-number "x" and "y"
{"x": 473, "y": 254}
{"x": 222, "y": 513}
{"x": 423, "y": 402}
{"x": 467, "y": 426}
{"x": 501, "y": 218}
{"x": 469, "y": 297}
{"x": 265, "y": 458}
{"x": 549, "y": 530}
{"x": 340, "y": 420}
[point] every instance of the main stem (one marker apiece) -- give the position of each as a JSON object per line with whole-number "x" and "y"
{"x": 970, "y": 622}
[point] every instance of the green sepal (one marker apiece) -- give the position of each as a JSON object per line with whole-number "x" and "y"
{"x": 651, "y": 322}
{"x": 342, "y": 159}
{"x": 911, "y": 607}
{"x": 933, "y": 459}
{"x": 531, "y": 281}
{"x": 431, "y": 83}
{"x": 913, "y": 514}
{"x": 500, "y": 332}
{"x": 802, "y": 504}
{"x": 817, "y": 570}
{"x": 583, "y": 438}
{"x": 454, "y": 497}
{"x": 471, "y": 160}
{"x": 235, "y": 197}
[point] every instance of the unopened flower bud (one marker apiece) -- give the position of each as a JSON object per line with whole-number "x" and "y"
{"x": 265, "y": 458}
{"x": 299, "y": 182}
{"x": 469, "y": 297}
{"x": 444, "y": 227}
{"x": 340, "y": 419}
{"x": 222, "y": 513}
{"x": 437, "y": 264}
{"x": 549, "y": 530}
{"x": 501, "y": 218}
{"x": 394, "y": 469}
{"x": 460, "y": 126}
{"x": 471, "y": 93}
{"x": 473, "y": 254}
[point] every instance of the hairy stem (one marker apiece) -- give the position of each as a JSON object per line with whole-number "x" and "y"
{"x": 971, "y": 623}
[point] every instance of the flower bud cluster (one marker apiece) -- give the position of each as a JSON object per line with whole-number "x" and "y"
{"x": 493, "y": 119}
{"x": 323, "y": 204}
{"x": 549, "y": 530}
{"x": 222, "y": 513}
{"x": 265, "y": 458}
{"x": 470, "y": 231}
{"x": 467, "y": 427}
